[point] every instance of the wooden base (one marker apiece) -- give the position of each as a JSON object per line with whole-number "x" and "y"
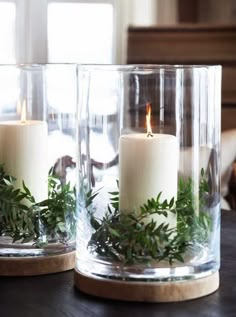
{"x": 147, "y": 291}
{"x": 37, "y": 265}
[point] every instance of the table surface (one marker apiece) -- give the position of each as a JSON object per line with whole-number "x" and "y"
{"x": 55, "y": 296}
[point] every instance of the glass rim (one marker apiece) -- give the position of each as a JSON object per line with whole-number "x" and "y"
{"x": 117, "y": 67}
{"x": 145, "y": 67}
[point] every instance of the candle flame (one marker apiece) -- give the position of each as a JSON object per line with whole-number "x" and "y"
{"x": 148, "y": 119}
{"x": 23, "y": 112}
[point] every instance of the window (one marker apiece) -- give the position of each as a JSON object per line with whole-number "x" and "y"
{"x": 54, "y": 31}
{"x": 58, "y": 31}
{"x": 88, "y": 31}
{"x": 80, "y": 32}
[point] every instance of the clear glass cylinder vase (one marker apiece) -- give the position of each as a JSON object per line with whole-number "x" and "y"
{"x": 149, "y": 172}
{"x": 37, "y": 159}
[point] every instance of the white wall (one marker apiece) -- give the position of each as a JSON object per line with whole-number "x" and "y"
{"x": 135, "y": 13}
{"x": 167, "y": 12}
{"x": 141, "y": 13}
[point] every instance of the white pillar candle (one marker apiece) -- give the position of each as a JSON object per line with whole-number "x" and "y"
{"x": 148, "y": 165}
{"x": 23, "y": 151}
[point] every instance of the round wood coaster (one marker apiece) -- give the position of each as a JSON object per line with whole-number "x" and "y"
{"x": 37, "y": 265}
{"x": 147, "y": 291}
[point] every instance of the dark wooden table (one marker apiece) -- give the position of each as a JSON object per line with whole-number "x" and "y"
{"x": 55, "y": 296}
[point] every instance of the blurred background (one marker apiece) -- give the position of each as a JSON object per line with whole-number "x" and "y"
{"x": 120, "y": 32}
{"x": 101, "y": 32}
{"x": 92, "y": 31}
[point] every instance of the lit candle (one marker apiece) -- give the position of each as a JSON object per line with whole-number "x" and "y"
{"x": 23, "y": 151}
{"x": 148, "y": 165}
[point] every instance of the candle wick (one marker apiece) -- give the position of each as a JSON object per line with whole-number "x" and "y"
{"x": 149, "y": 134}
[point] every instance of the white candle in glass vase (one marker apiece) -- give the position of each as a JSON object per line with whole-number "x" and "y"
{"x": 148, "y": 165}
{"x": 23, "y": 151}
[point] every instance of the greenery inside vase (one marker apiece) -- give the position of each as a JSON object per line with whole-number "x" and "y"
{"x": 130, "y": 239}
{"x": 26, "y": 220}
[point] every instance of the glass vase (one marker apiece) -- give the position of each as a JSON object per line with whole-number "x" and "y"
{"x": 148, "y": 176}
{"x": 37, "y": 160}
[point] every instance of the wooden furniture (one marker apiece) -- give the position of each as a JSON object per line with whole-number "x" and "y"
{"x": 190, "y": 44}
{"x": 55, "y": 295}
